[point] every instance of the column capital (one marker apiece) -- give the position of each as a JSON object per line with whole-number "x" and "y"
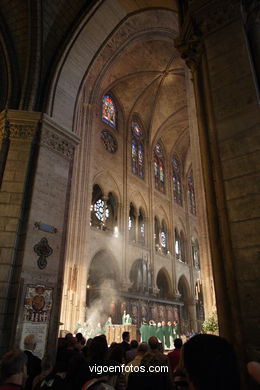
{"x": 190, "y": 44}
{"x": 58, "y": 139}
{"x": 203, "y": 18}
{"x": 18, "y": 124}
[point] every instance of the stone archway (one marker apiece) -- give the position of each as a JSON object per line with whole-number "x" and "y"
{"x": 184, "y": 290}
{"x": 163, "y": 284}
{"x": 102, "y": 288}
{"x": 140, "y": 277}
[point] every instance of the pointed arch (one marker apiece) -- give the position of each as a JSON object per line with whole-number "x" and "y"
{"x": 103, "y": 267}
{"x": 106, "y": 180}
{"x": 184, "y": 291}
{"x": 184, "y": 288}
{"x": 163, "y": 282}
{"x": 141, "y": 276}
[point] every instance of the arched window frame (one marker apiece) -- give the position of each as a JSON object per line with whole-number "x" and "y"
{"x": 103, "y": 210}
{"x": 176, "y": 179}
{"x": 98, "y": 214}
{"x": 159, "y": 167}
{"x": 137, "y": 149}
{"x": 191, "y": 193}
{"x": 105, "y": 116}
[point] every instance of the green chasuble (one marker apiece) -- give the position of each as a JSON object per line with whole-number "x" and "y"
{"x": 166, "y": 333}
{"x": 177, "y": 330}
{"x": 144, "y": 330}
{"x": 152, "y": 330}
{"x": 97, "y": 331}
{"x": 159, "y": 335}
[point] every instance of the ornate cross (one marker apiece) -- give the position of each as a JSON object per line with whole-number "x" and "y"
{"x": 43, "y": 250}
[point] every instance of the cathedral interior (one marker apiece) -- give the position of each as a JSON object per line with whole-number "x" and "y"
{"x": 129, "y": 166}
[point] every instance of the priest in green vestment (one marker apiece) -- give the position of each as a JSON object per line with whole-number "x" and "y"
{"x": 109, "y": 321}
{"x": 159, "y": 333}
{"x": 128, "y": 319}
{"x": 124, "y": 318}
{"x": 152, "y": 329}
{"x": 166, "y": 334}
{"x": 144, "y": 330}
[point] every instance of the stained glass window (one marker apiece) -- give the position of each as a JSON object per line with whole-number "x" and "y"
{"x": 137, "y": 150}
{"x": 191, "y": 194}
{"x": 109, "y": 111}
{"x": 163, "y": 239}
{"x": 176, "y": 178}
{"x": 99, "y": 207}
{"x": 109, "y": 141}
{"x": 159, "y": 173}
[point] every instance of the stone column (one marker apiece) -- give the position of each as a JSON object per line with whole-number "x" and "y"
{"x": 214, "y": 45}
{"x": 191, "y": 304}
{"x": 41, "y": 254}
{"x": 18, "y": 131}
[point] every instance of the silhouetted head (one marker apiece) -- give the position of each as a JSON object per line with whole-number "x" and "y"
{"x": 13, "y": 363}
{"x": 126, "y": 336}
{"x": 134, "y": 344}
{"x": 153, "y": 343}
{"x": 210, "y": 363}
{"x": 98, "y": 349}
{"x": 178, "y": 343}
{"x": 30, "y": 342}
{"x": 142, "y": 348}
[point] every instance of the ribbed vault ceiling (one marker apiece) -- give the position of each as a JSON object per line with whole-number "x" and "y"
{"x": 148, "y": 78}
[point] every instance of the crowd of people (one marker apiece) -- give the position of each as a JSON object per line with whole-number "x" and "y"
{"x": 204, "y": 362}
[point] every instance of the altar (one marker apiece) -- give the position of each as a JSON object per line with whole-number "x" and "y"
{"x": 114, "y": 332}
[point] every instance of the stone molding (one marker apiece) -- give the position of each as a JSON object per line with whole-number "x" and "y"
{"x": 58, "y": 139}
{"x": 202, "y": 19}
{"x": 190, "y": 44}
{"x": 15, "y": 124}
